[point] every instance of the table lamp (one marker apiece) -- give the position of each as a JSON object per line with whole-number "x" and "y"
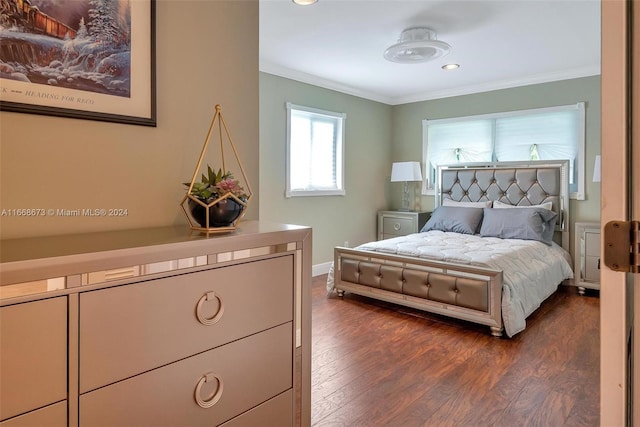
{"x": 405, "y": 172}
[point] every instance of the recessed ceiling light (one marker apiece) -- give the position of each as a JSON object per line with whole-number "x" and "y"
{"x": 304, "y": 2}
{"x": 450, "y": 66}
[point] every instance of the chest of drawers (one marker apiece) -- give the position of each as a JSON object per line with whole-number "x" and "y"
{"x": 400, "y": 223}
{"x": 201, "y": 331}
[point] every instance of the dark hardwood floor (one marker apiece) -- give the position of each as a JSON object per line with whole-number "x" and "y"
{"x": 378, "y": 364}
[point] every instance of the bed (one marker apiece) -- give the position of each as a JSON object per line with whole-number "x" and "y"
{"x": 494, "y": 270}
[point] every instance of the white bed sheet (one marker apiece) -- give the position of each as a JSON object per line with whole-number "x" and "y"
{"x": 531, "y": 270}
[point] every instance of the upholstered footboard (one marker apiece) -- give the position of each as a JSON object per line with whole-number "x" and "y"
{"x": 459, "y": 291}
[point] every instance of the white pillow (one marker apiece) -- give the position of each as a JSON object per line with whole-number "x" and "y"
{"x": 450, "y": 202}
{"x": 500, "y": 205}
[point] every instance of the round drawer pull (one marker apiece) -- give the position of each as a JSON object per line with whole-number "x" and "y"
{"x": 396, "y": 226}
{"x": 209, "y": 296}
{"x": 216, "y": 396}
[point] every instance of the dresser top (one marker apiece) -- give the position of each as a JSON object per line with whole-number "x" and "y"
{"x": 51, "y": 256}
{"x": 12, "y": 250}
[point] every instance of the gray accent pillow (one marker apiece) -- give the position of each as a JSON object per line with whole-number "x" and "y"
{"x": 455, "y": 218}
{"x": 524, "y": 223}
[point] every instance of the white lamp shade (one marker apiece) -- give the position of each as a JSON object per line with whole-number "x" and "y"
{"x": 406, "y": 171}
{"x": 597, "y": 169}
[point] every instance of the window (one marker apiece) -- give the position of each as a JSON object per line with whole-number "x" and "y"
{"x": 315, "y": 152}
{"x": 554, "y": 133}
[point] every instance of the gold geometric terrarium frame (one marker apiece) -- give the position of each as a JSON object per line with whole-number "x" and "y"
{"x": 217, "y": 118}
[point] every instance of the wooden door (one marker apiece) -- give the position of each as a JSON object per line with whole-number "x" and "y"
{"x": 620, "y": 130}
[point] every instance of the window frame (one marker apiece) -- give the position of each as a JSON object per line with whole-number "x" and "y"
{"x": 339, "y": 150}
{"x": 428, "y": 188}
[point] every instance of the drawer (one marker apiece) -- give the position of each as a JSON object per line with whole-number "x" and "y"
{"x": 33, "y": 366}
{"x": 398, "y": 226}
{"x": 592, "y": 273}
{"x": 592, "y": 243}
{"x": 252, "y": 371}
{"x": 131, "y": 329}
{"x": 50, "y": 416}
{"x": 276, "y": 412}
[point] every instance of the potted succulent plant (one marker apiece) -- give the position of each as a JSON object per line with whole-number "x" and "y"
{"x": 218, "y": 202}
{"x": 221, "y": 194}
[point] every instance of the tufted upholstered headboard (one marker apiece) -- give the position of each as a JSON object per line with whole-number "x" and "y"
{"x": 514, "y": 183}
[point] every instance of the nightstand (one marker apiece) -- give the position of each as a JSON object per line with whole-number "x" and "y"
{"x": 400, "y": 223}
{"x": 587, "y": 256}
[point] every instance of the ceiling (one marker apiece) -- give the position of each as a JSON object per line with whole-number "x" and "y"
{"x": 338, "y": 44}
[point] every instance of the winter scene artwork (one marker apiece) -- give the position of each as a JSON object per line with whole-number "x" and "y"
{"x": 89, "y": 59}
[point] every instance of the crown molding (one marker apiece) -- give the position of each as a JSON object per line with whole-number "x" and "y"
{"x": 270, "y": 68}
{"x": 498, "y": 85}
{"x": 299, "y": 76}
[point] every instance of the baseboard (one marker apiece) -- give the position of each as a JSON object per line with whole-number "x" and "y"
{"x": 320, "y": 269}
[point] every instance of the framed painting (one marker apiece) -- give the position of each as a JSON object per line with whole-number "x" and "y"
{"x": 85, "y": 59}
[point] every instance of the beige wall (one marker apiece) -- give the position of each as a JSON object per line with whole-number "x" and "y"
{"x": 59, "y": 163}
{"x": 335, "y": 219}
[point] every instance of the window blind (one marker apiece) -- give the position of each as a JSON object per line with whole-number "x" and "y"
{"x": 553, "y": 133}
{"x": 314, "y": 152}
